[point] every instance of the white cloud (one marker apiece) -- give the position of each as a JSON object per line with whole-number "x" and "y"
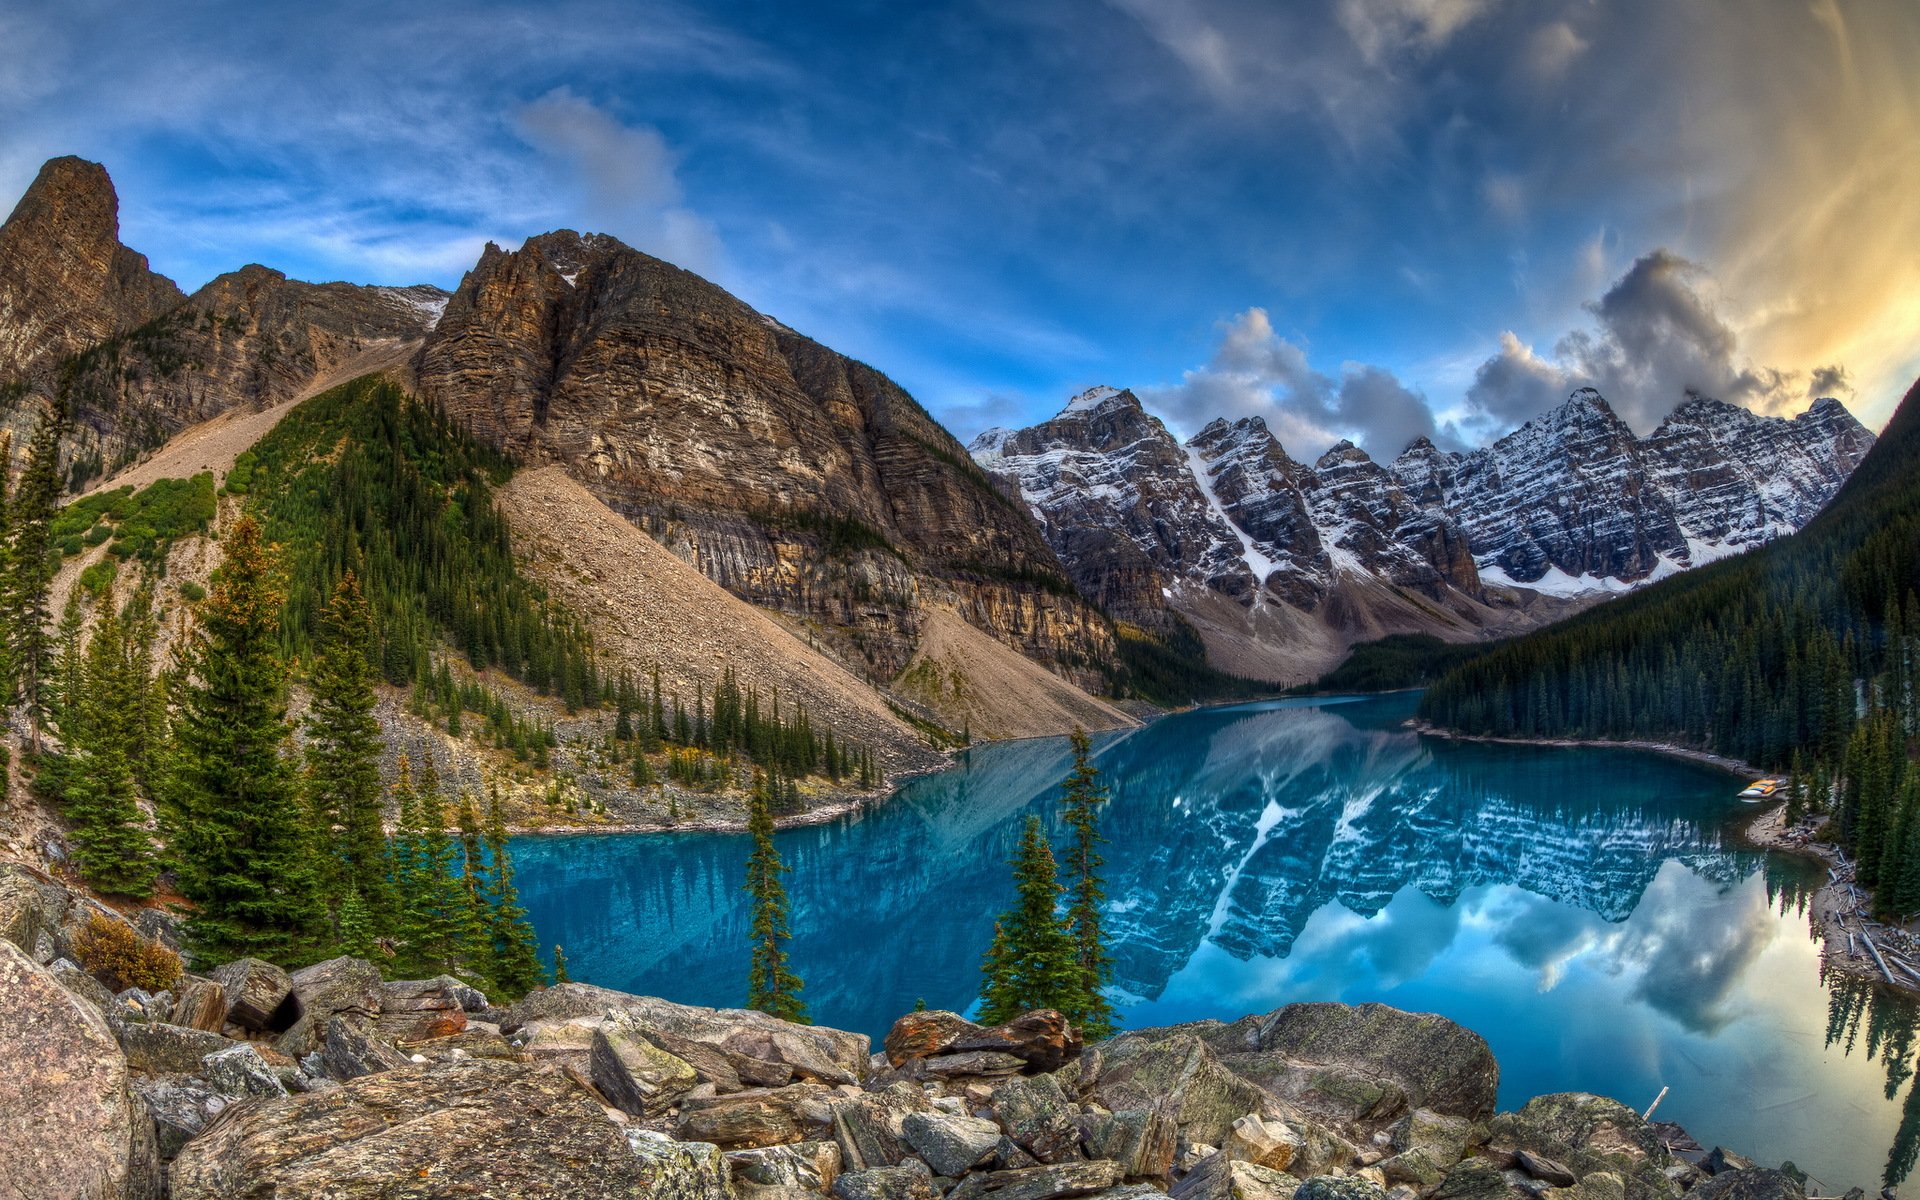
{"x": 1256, "y": 372}
{"x": 1552, "y": 49}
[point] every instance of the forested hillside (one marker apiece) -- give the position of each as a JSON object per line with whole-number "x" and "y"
{"x": 1798, "y": 656}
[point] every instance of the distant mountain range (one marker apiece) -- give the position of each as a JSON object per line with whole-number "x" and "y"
{"x": 1280, "y": 565}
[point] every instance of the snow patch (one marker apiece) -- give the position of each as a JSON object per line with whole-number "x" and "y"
{"x": 1090, "y": 399}
{"x": 1258, "y": 563}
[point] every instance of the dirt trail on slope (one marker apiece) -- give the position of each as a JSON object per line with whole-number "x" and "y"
{"x": 976, "y": 682}
{"x": 646, "y": 606}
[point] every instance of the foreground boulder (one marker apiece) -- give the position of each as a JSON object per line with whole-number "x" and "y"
{"x": 259, "y": 995}
{"x": 69, "y": 1126}
{"x": 808, "y": 1052}
{"x": 480, "y": 1127}
{"x": 1043, "y": 1040}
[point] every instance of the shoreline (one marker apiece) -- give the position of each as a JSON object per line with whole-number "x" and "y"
{"x": 1852, "y": 942}
{"x": 1731, "y": 766}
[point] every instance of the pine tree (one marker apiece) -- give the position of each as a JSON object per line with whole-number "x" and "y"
{"x": 32, "y": 563}
{"x": 1030, "y": 963}
{"x": 560, "y": 965}
{"x": 771, "y": 986}
{"x": 243, "y": 850}
{"x": 476, "y": 911}
{"x": 433, "y": 909}
{"x": 516, "y": 955}
{"x": 1080, "y": 801}
{"x": 111, "y": 844}
{"x": 343, "y": 756}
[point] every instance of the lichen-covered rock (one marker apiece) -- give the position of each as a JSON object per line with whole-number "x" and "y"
{"x": 199, "y": 1003}
{"x": 950, "y": 1144}
{"x": 1043, "y": 1040}
{"x": 239, "y": 1071}
{"x": 1039, "y": 1183}
{"x": 1142, "y": 1069}
{"x": 871, "y": 1127}
{"x": 69, "y": 1126}
{"x": 81, "y": 984}
{"x": 908, "y": 1181}
{"x": 258, "y": 995}
{"x": 1339, "y": 1187}
{"x": 1586, "y": 1134}
{"x": 159, "y": 1048}
{"x": 349, "y": 1051}
{"x": 1221, "y": 1177}
{"x": 180, "y": 1110}
{"x": 1479, "y": 1179}
{"x": 1750, "y": 1183}
{"x": 480, "y": 1127}
{"x": 1142, "y": 1140}
{"x": 1418, "y": 1059}
{"x": 418, "y": 1010}
{"x": 809, "y": 1052}
{"x": 812, "y": 1166}
{"x": 1444, "y": 1139}
{"x": 758, "y": 1117}
{"x": 634, "y": 1074}
{"x": 677, "y": 1170}
{"x": 1036, "y": 1113}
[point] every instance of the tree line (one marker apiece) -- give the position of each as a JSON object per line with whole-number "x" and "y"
{"x": 1800, "y": 657}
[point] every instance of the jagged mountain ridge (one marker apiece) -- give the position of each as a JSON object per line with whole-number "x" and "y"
{"x": 793, "y": 476}
{"x": 83, "y": 317}
{"x": 1567, "y": 508}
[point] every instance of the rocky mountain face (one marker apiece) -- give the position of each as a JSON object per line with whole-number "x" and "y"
{"x": 789, "y": 474}
{"x": 1570, "y": 507}
{"x": 330, "y": 1080}
{"x": 1572, "y": 500}
{"x": 81, "y": 316}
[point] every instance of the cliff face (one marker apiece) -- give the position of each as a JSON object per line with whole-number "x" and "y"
{"x": 789, "y": 474}
{"x": 66, "y": 282}
{"x": 81, "y": 317}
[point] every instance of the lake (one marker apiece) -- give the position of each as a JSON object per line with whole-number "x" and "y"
{"x": 1590, "y": 912}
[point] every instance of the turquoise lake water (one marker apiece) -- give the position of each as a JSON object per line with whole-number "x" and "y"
{"x": 1589, "y": 912}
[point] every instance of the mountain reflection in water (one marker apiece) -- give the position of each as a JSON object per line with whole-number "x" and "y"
{"x": 1586, "y": 910}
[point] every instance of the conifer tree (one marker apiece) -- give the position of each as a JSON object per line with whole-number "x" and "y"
{"x": 31, "y": 566}
{"x": 242, "y": 847}
{"x": 111, "y": 844}
{"x": 560, "y": 965}
{"x": 1031, "y": 961}
{"x": 343, "y": 756}
{"x": 433, "y": 909}
{"x": 771, "y": 986}
{"x": 476, "y": 931}
{"x": 1080, "y": 801}
{"x": 516, "y": 955}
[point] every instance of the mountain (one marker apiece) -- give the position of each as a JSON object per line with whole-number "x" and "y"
{"x": 789, "y": 474}
{"x": 1573, "y": 501}
{"x": 82, "y": 317}
{"x": 1280, "y": 565}
{"x": 1781, "y": 653}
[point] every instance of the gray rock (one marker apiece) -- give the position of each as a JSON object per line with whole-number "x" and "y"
{"x": 1048, "y": 1182}
{"x": 199, "y": 1003}
{"x": 981, "y": 1064}
{"x": 1416, "y": 1167}
{"x": 810, "y": 1052}
{"x": 81, "y": 984}
{"x": 349, "y": 1051}
{"x": 1140, "y": 1070}
{"x": 1220, "y": 1177}
{"x": 909, "y": 1181}
{"x": 1445, "y": 1139}
{"x": 239, "y": 1071}
{"x": 1036, "y": 1113}
{"x": 69, "y": 1125}
{"x": 1721, "y": 1159}
{"x": 180, "y": 1110}
{"x": 138, "y": 1004}
{"x": 1142, "y": 1140}
{"x": 476, "y": 1128}
{"x": 418, "y": 1010}
{"x": 1750, "y": 1183}
{"x": 158, "y": 1048}
{"x": 1588, "y": 1134}
{"x": 635, "y": 1075}
{"x": 713, "y": 1065}
{"x": 32, "y": 909}
{"x": 951, "y": 1145}
{"x": 1340, "y": 1187}
{"x": 470, "y": 998}
{"x": 159, "y": 925}
{"x": 257, "y": 995}
{"x": 1543, "y": 1168}
{"x": 1263, "y": 1142}
{"x": 1478, "y": 1179}
{"x": 812, "y": 1166}
{"x": 870, "y": 1127}
{"x": 759, "y": 1117}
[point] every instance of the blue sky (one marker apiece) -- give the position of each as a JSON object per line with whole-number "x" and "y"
{"x": 1364, "y": 218}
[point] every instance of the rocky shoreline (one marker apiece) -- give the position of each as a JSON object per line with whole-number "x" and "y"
{"x": 331, "y": 1081}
